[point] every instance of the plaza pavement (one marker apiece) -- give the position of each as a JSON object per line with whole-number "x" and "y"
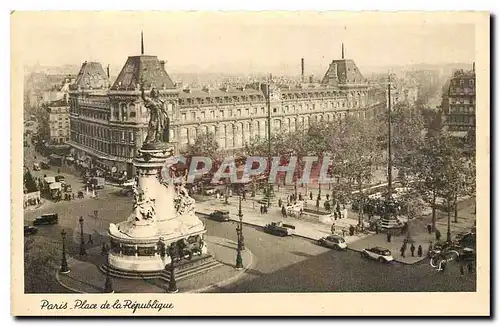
{"x": 357, "y": 242}
{"x": 85, "y": 276}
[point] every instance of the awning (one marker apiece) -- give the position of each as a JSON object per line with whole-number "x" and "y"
{"x": 55, "y": 185}
{"x": 50, "y": 179}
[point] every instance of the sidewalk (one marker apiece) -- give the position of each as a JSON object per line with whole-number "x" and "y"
{"x": 304, "y": 229}
{"x": 85, "y": 276}
{"x": 314, "y": 231}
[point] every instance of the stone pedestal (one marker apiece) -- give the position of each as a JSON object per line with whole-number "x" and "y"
{"x": 162, "y": 218}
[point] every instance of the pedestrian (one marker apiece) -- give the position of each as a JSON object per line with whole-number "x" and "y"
{"x": 73, "y": 195}
{"x": 376, "y": 228}
{"x": 412, "y": 250}
{"x": 438, "y": 235}
{"x": 280, "y": 202}
{"x": 429, "y": 228}
{"x": 389, "y": 237}
{"x": 283, "y": 211}
{"x": 311, "y": 195}
{"x": 261, "y": 210}
{"x": 402, "y": 250}
{"x": 419, "y": 251}
{"x": 462, "y": 272}
{"x": 443, "y": 266}
{"x": 470, "y": 268}
{"x": 431, "y": 247}
{"x": 351, "y": 230}
{"x": 90, "y": 240}
{"x": 333, "y": 228}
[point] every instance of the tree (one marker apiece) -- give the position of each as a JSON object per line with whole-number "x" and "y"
{"x": 205, "y": 145}
{"x": 40, "y": 264}
{"x": 353, "y": 145}
{"x": 29, "y": 183}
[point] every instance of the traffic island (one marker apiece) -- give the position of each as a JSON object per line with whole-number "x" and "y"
{"x": 88, "y": 276}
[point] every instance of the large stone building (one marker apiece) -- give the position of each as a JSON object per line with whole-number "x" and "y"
{"x": 108, "y": 125}
{"x": 460, "y": 101}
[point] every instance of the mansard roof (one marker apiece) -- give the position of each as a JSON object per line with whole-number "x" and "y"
{"x": 91, "y": 76}
{"x": 342, "y": 71}
{"x": 145, "y": 69}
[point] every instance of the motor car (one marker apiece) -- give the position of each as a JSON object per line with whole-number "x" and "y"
{"x": 334, "y": 242}
{"x": 44, "y": 166}
{"x": 30, "y": 230}
{"x": 36, "y": 167}
{"x": 209, "y": 191}
{"x": 220, "y": 215}
{"x": 378, "y": 253}
{"x": 467, "y": 240}
{"x": 280, "y": 229}
{"x": 60, "y": 178}
{"x": 46, "y": 219}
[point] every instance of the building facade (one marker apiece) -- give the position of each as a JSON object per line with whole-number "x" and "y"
{"x": 460, "y": 101}
{"x": 108, "y": 125}
{"x": 59, "y": 124}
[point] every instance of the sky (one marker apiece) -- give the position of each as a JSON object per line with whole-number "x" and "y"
{"x": 241, "y": 42}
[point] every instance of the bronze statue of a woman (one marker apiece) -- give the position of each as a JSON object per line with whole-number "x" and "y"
{"x": 158, "y": 127}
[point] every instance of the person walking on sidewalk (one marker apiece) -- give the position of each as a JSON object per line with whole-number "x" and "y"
{"x": 311, "y": 195}
{"x": 333, "y": 228}
{"x": 90, "y": 240}
{"x": 429, "y": 228}
{"x": 402, "y": 250}
{"x": 419, "y": 251}
{"x": 412, "y": 250}
{"x": 431, "y": 247}
{"x": 283, "y": 211}
{"x": 438, "y": 235}
{"x": 389, "y": 237}
{"x": 280, "y": 202}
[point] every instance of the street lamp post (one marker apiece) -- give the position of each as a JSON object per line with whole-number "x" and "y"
{"x": 172, "y": 284}
{"x": 64, "y": 262}
{"x": 82, "y": 241}
{"x": 241, "y": 239}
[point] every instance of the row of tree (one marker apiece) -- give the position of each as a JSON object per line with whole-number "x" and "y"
{"x": 425, "y": 154}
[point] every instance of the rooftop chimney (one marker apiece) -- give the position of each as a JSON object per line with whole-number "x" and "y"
{"x": 162, "y": 63}
{"x": 107, "y": 71}
{"x": 302, "y": 68}
{"x": 474, "y": 66}
{"x": 142, "y": 44}
{"x": 342, "y": 50}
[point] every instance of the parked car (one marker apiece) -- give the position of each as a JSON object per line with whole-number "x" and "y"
{"x": 280, "y": 229}
{"x": 60, "y": 178}
{"x": 334, "y": 242}
{"x": 466, "y": 240}
{"x": 36, "y": 167}
{"x": 46, "y": 219}
{"x": 44, "y": 166}
{"x": 209, "y": 191}
{"x": 220, "y": 215}
{"x": 30, "y": 230}
{"x": 378, "y": 253}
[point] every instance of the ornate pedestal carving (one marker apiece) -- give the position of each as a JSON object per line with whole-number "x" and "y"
{"x": 163, "y": 215}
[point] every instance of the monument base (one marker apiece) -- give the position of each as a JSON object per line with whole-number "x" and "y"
{"x": 183, "y": 269}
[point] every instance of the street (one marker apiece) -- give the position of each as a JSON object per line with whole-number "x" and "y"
{"x": 279, "y": 265}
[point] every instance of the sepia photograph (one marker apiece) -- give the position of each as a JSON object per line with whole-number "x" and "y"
{"x": 177, "y": 163}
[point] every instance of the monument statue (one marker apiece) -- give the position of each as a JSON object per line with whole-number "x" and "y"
{"x": 158, "y": 126}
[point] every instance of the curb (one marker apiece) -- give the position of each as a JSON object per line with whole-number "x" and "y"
{"x": 227, "y": 281}
{"x": 66, "y": 286}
